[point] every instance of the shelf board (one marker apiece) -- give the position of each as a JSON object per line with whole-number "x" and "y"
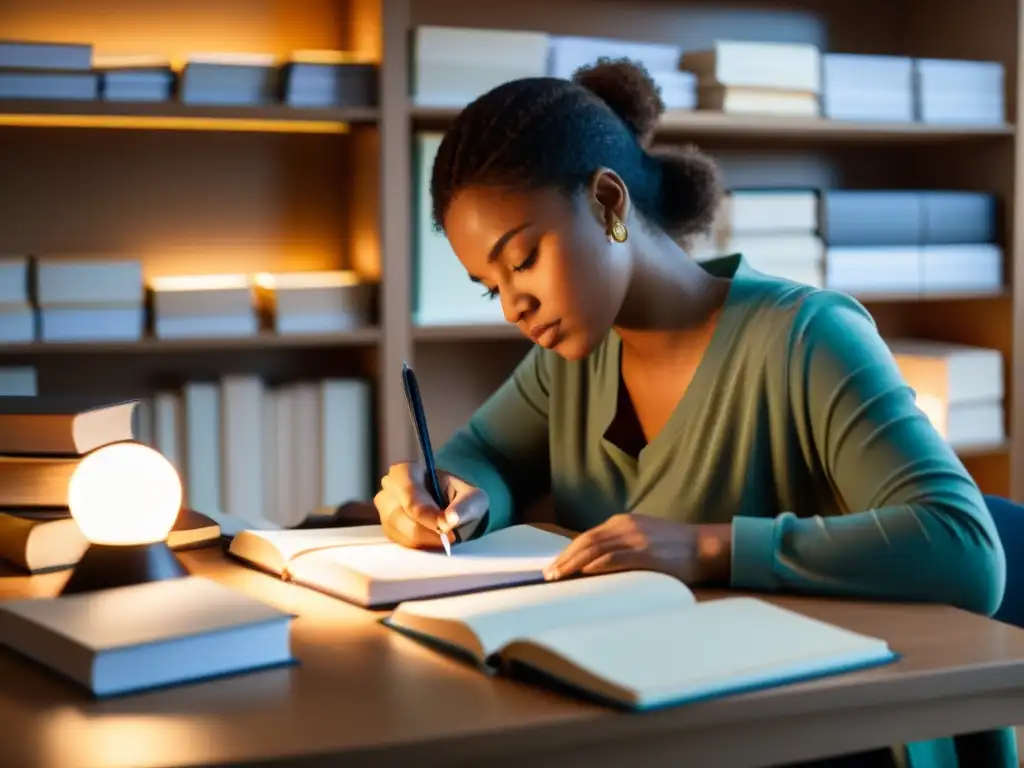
{"x": 977, "y": 451}
{"x": 458, "y": 332}
{"x": 703, "y": 124}
{"x": 893, "y": 298}
{"x": 175, "y": 116}
{"x": 363, "y": 337}
{"x": 483, "y": 332}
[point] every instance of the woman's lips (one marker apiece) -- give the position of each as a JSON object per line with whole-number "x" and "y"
{"x": 546, "y": 334}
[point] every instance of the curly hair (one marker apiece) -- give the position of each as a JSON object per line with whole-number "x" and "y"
{"x": 545, "y": 132}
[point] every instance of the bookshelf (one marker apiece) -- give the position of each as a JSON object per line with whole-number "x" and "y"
{"x": 227, "y": 189}
{"x": 686, "y": 125}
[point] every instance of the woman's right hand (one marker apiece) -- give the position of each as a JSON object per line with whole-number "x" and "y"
{"x": 409, "y": 515}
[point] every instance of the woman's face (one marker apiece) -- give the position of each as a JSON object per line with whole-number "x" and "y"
{"x": 547, "y": 259}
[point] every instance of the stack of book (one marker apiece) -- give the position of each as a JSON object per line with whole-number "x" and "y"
{"x": 960, "y": 92}
{"x": 867, "y": 88}
{"x": 678, "y": 88}
{"x": 135, "y": 78}
{"x": 776, "y": 230}
{"x": 17, "y": 315}
{"x": 314, "y": 302}
{"x": 203, "y": 306}
{"x": 915, "y": 242}
{"x": 230, "y": 79}
{"x": 452, "y": 66}
{"x": 90, "y": 299}
{"x": 42, "y": 441}
{"x": 18, "y": 381}
{"x": 959, "y": 388}
{"x": 328, "y": 79}
{"x": 38, "y": 70}
{"x": 240, "y": 305}
{"x": 757, "y": 78}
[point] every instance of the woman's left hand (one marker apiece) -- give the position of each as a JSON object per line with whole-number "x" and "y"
{"x": 692, "y": 553}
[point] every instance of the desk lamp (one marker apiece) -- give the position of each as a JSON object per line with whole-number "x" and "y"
{"x": 125, "y": 498}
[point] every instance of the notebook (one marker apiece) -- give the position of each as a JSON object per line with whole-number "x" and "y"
{"x": 360, "y": 565}
{"x": 637, "y": 640}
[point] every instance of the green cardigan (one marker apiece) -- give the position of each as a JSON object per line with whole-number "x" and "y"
{"x": 797, "y": 428}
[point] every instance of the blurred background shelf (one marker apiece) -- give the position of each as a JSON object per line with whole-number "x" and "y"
{"x": 682, "y": 124}
{"x": 357, "y": 338}
{"x": 190, "y": 189}
{"x": 172, "y": 115}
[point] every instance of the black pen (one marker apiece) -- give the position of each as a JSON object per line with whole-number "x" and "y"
{"x": 419, "y": 420}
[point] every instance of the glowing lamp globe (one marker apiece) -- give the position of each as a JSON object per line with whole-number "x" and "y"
{"x": 125, "y": 498}
{"x": 125, "y": 493}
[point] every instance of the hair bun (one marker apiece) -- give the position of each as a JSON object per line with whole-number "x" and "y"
{"x": 628, "y": 89}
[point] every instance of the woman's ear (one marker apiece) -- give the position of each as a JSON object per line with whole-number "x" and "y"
{"x": 610, "y": 197}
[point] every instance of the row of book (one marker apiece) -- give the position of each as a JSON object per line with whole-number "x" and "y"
{"x": 44, "y": 70}
{"x": 72, "y": 299}
{"x": 864, "y": 241}
{"x": 256, "y": 454}
{"x": 249, "y": 454}
{"x": 452, "y": 66}
{"x": 959, "y": 388}
{"x": 858, "y": 241}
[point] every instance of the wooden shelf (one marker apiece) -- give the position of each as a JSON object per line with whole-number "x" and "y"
{"x": 977, "y": 451}
{"x": 175, "y": 116}
{"x": 364, "y": 337}
{"x": 893, "y": 298}
{"x": 467, "y": 332}
{"x": 703, "y": 124}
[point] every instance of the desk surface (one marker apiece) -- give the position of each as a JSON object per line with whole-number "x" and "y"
{"x": 365, "y": 695}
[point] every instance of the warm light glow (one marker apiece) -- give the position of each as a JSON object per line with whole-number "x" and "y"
{"x": 129, "y": 60}
{"x": 125, "y": 493}
{"x": 168, "y": 123}
{"x": 169, "y": 283}
{"x": 312, "y": 279}
{"x": 327, "y": 57}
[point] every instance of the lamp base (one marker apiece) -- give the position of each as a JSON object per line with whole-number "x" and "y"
{"x": 104, "y": 566}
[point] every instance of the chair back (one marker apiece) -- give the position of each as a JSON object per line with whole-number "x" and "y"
{"x": 1009, "y": 520}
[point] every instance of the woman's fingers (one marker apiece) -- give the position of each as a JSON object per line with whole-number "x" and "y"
{"x": 399, "y": 526}
{"x": 467, "y": 508}
{"x": 405, "y": 483}
{"x": 584, "y": 549}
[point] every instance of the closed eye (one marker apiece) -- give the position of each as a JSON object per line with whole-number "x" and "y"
{"x": 528, "y": 262}
{"x": 523, "y": 266}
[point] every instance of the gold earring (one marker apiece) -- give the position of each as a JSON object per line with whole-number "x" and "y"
{"x": 618, "y": 232}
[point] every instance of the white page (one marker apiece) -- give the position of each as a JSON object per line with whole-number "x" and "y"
{"x": 291, "y": 542}
{"x": 666, "y": 656}
{"x": 519, "y": 549}
{"x": 506, "y": 614}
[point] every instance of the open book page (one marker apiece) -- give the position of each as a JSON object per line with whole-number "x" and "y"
{"x": 386, "y": 574}
{"x": 272, "y": 550}
{"x": 671, "y": 656}
{"x": 482, "y": 623}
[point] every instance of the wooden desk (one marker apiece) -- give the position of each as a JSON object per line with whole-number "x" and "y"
{"x": 363, "y": 695}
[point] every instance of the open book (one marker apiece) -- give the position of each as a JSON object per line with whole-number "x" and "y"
{"x": 638, "y": 640}
{"x": 361, "y": 565}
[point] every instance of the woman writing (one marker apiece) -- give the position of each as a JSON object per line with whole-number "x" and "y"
{"x": 700, "y": 419}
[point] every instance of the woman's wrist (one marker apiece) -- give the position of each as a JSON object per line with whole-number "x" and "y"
{"x": 714, "y": 553}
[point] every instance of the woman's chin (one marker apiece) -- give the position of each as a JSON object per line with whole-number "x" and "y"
{"x": 573, "y": 347}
